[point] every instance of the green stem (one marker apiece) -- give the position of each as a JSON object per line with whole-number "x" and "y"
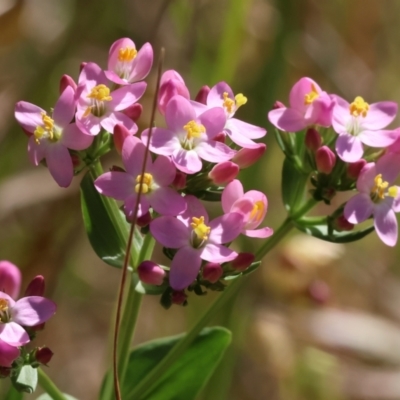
{"x": 49, "y": 387}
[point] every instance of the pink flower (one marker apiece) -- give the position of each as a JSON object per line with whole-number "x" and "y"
{"x": 196, "y": 239}
{"x": 8, "y": 354}
{"x": 10, "y": 279}
{"x": 28, "y": 311}
{"x": 125, "y": 186}
{"x": 360, "y": 122}
{"x": 377, "y": 198}
{"x": 252, "y": 205}
{"x": 51, "y": 137}
{"x": 127, "y": 65}
{"x": 171, "y": 84}
{"x": 240, "y": 132}
{"x": 309, "y": 105}
{"x": 188, "y": 138}
{"x": 99, "y": 107}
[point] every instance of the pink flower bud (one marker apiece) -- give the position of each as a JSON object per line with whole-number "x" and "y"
{"x": 223, "y": 173}
{"x": 43, "y": 355}
{"x": 341, "y": 224}
{"x": 36, "y": 287}
{"x": 171, "y": 84}
{"x": 178, "y": 297}
{"x": 134, "y": 111}
{"x": 120, "y": 134}
{"x": 66, "y": 81}
{"x": 10, "y": 279}
{"x": 83, "y": 65}
{"x": 313, "y": 139}
{"x": 243, "y": 261}
{"x": 212, "y": 272}
{"x": 220, "y": 137}
{"x": 325, "y": 159}
{"x": 354, "y": 169}
{"x": 144, "y": 220}
{"x": 151, "y": 273}
{"x": 201, "y": 97}
{"x": 179, "y": 182}
{"x": 246, "y": 157}
{"x": 277, "y": 105}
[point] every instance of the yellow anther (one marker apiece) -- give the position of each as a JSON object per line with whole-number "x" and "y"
{"x": 240, "y": 100}
{"x": 228, "y": 103}
{"x": 3, "y": 305}
{"x": 200, "y": 228}
{"x": 126, "y": 54}
{"x": 379, "y": 191}
{"x": 147, "y": 183}
{"x": 257, "y": 211}
{"x": 359, "y": 107}
{"x": 47, "y": 131}
{"x": 100, "y": 93}
{"x": 311, "y": 96}
{"x": 194, "y": 129}
{"x": 87, "y": 112}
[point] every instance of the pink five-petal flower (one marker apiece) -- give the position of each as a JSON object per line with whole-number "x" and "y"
{"x": 8, "y": 354}
{"x": 360, "y": 122}
{"x": 188, "y": 138}
{"x": 51, "y": 137}
{"x": 28, "y": 311}
{"x": 99, "y": 107}
{"x": 309, "y": 105}
{"x": 156, "y": 192}
{"x": 252, "y": 205}
{"x": 10, "y": 279}
{"x": 377, "y": 198}
{"x": 241, "y": 133}
{"x": 196, "y": 239}
{"x": 127, "y": 65}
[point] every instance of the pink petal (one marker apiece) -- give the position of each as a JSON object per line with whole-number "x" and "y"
{"x": 13, "y": 334}
{"x": 213, "y": 120}
{"x": 126, "y": 96}
{"x": 214, "y": 151}
{"x": 33, "y": 310}
{"x": 89, "y": 125}
{"x": 9, "y": 299}
{"x": 349, "y": 148}
{"x": 248, "y": 130}
{"x": 187, "y": 161}
{"x": 358, "y": 208}
{"x": 386, "y": 224}
{"x": 36, "y": 152}
{"x": 380, "y": 115}
{"x": 163, "y": 171}
{"x": 7, "y": 354}
{"x": 133, "y": 152}
{"x": 261, "y": 233}
{"x": 232, "y": 192}
{"x": 10, "y": 279}
{"x": 178, "y": 113}
{"x": 60, "y": 164}
{"x": 92, "y": 75}
{"x": 115, "y": 184}
{"x": 162, "y": 141}
{"x": 108, "y": 123}
{"x": 141, "y": 65}
{"x": 236, "y": 136}
{"x": 130, "y": 205}
{"x": 287, "y": 119}
{"x": 167, "y": 201}
{"x": 64, "y": 109}
{"x": 170, "y": 232}
{"x": 226, "y": 228}
{"x": 73, "y": 138}
{"x": 217, "y": 253}
{"x": 389, "y": 166}
{"x": 298, "y": 92}
{"x": 184, "y": 267}
{"x": 215, "y": 97}
{"x": 396, "y": 201}
{"x": 28, "y": 115}
{"x": 378, "y": 138}
{"x": 114, "y": 51}
{"x": 194, "y": 208}
{"x": 365, "y": 180}
{"x": 341, "y": 115}
{"x": 113, "y": 77}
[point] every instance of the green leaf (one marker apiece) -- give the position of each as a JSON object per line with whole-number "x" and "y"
{"x": 45, "y": 396}
{"x": 187, "y": 376}
{"x": 13, "y": 394}
{"x": 27, "y": 379}
{"x": 293, "y": 186}
{"x": 100, "y": 217}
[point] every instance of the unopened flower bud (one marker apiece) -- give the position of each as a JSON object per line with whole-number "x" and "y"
{"x": 220, "y": 137}
{"x": 116, "y": 168}
{"x": 43, "y": 355}
{"x": 246, "y": 157}
{"x": 83, "y": 65}
{"x": 120, "y": 134}
{"x": 151, "y": 273}
{"x": 319, "y": 291}
{"x": 201, "y": 96}
{"x": 243, "y": 261}
{"x": 223, "y": 173}
{"x": 171, "y": 84}
{"x": 144, "y": 220}
{"x": 212, "y": 272}
{"x": 313, "y": 139}
{"x": 5, "y": 372}
{"x": 179, "y": 182}
{"x": 76, "y": 161}
{"x": 354, "y": 169}
{"x": 341, "y": 224}
{"x": 134, "y": 111}
{"x": 277, "y": 105}
{"x": 66, "y": 81}
{"x": 36, "y": 287}
{"x": 10, "y": 279}
{"x": 325, "y": 159}
{"x": 178, "y": 297}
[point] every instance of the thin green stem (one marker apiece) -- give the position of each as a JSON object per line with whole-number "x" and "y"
{"x": 49, "y": 387}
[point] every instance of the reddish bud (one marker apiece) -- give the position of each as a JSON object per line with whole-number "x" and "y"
{"x": 178, "y": 297}
{"x": 354, "y": 169}
{"x": 223, "y": 173}
{"x": 10, "y": 279}
{"x": 171, "y": 84}
{"x": 36, "y": 287}
{"x": 212, "y": 272}
{"x": 313, "y": 139}
{"x": 179, "y": 182}
{"x": 116, "y": 168}
{"x": 243, "y": 261}
{"x": 66, "y": 81}
{"x": 83, "y": 65}
{"x": 246, "y": 157}
{"x": 151, "y": 273}
{"x": 277, "y": 105}
{"x": 201, "y": 96}
{"x": 43, "y": 355}
{"x": 220, "y": 137}
{"x": 341, "y": 224}
{"x": 120, "y": 134}
{"x": 144, "y": 220}
{"x": 5, "y": 372}
{"x": 76, "y": 161}
{"x": 134, "y": 111}
{"x": 325, "y": 159}
{"x": 319, "y": 291}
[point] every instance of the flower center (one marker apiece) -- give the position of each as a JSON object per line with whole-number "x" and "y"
{"x": 98, "y": 96}
{"x": 200, "y": 231}
{"x": 311, "y": 96}
{"x": 126, "y": 54}
{"x": 257, "y": 211}
{"x": 47, "y": 131}
{"x": 146, "y": 184}
{"x": 4, "y": 315}
{"x": 381, "y": 189}
{"x": 193, "y": 129}
{"x": 231, "y": 105}
{"x": 359, "y": 107}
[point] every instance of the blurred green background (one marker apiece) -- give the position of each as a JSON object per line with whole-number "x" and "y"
{"x": 316, "y": 321}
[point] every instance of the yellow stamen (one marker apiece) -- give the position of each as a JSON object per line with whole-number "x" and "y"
{"x": 257, "y": 211}
{"x": 311, "y": 96}
{"x": 194, "y": 129}
{"x": 100, "y": 93}
{"x": 240, "y": 100}
{"x": 126, "y": 54}
{"x": 87, "y": 112}
{"x": 379, "y": 191}
{"x": 48, "y": 128}
{"x": 3, "y": 305}
{"x": 147, "y": 182}
{"x": 200, "y": 228}
{"x": 359, "y": 107}
{"x": 228, "y": 103}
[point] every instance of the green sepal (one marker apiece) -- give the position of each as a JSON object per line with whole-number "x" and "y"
{"x": 144, "y": 288}
{"x": 247, "y": 271}
{"x": 26, "y": 380}
{"x": 210, "y": 194}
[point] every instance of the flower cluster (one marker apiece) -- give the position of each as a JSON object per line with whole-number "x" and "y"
{"x": 347, "y": 147}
